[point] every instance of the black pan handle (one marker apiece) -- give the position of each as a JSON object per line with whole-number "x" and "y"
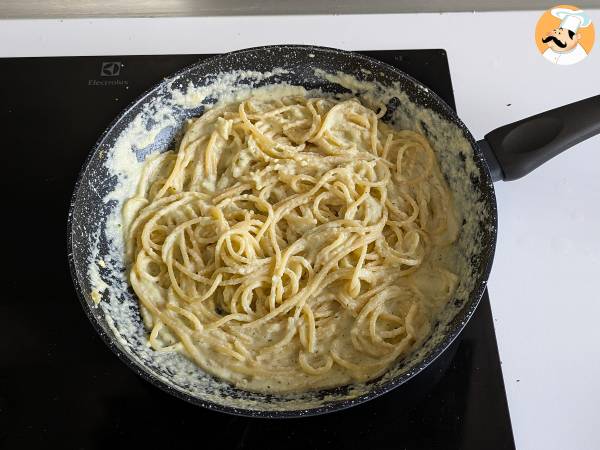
{"x": 516, "y": 149}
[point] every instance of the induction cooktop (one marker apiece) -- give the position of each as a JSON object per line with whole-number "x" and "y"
{"x": 61, "y": 387}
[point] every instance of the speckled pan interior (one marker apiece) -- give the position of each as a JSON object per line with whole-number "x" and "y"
{"x": 415, "y": 106}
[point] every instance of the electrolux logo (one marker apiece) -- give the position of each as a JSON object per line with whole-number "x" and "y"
{"x": 109, "y": 69}
{"x": 108, "y": 82}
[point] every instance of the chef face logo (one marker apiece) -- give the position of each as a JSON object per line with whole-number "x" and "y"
{"x": 564, "y": 35}
{"x": 561, "y": 40}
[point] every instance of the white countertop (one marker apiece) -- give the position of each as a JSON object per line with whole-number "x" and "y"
{"x": 543, "y": 289}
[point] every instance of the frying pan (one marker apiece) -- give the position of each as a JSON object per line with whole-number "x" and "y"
{"x": 506, "y": 153}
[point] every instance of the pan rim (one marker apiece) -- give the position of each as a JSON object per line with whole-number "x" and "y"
{"x": 466, "y": 312}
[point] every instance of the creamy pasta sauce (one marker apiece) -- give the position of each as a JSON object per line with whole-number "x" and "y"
{"x": 292, "y": 243}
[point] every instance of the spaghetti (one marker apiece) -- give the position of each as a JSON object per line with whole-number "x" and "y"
{"x": 291, "y": 243}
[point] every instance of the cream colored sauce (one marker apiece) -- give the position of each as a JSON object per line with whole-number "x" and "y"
{"x": 359, "y": 329}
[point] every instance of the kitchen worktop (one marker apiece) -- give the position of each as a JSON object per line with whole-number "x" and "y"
{"x": 543, "y": 286}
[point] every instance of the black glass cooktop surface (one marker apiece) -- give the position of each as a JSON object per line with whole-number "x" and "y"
{"x": 61, "y": 387}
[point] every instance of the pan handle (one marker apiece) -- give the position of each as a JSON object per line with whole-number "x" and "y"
{"x": 516, "y": 149}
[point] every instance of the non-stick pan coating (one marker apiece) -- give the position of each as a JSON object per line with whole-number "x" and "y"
{"x": 89, "y": 212}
